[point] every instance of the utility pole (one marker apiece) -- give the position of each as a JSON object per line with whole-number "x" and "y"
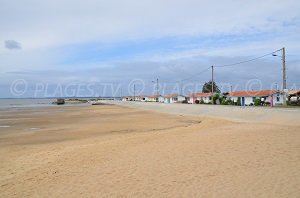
{"x": 181, "y": 87}
{"x": 284, "y": 89}
{"x": 212, "y": 79}
{"x": 284, "y": 69}
{"x": 283, "y": 76}
{"x": 157, "y": 91}
{"x": 134, "y": 92}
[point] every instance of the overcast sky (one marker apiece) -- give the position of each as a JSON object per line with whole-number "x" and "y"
{"x": 51, "y": 48}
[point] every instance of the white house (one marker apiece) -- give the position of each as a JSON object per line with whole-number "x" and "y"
{"x": 144, "y": 98}
{"x": 156, "y": 98}
{"x": 141, "y": 98}
{"x": 127, "y": 98}
{"x": 206, "y": 97}
{"x": 274, "y": 97}
{"x": 174, "y": 98}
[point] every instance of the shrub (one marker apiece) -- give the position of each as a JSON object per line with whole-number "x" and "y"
{"x": 223, "y": 100}
{"x": 230, "y": 102}
{"x": 215, "y": 98}
{"x": 257, "y": 102}
{"x": 197, "y": 101}
{"x": 201, "y": 101}
{"x": 184, "y": 102}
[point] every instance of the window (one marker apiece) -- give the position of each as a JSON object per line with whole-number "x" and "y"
{"x": 253, "y": 99}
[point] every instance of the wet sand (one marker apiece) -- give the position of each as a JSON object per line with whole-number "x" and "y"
{"x": 115, "y": 151}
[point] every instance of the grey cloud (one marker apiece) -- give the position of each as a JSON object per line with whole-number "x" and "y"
{"x": 260, "y": 74}
{"x": 12, "y": 45}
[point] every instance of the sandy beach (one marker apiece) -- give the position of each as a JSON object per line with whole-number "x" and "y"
{"x": 130, "y": 150}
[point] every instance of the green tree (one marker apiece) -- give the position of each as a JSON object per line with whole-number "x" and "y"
{"x": 207, "y": 87}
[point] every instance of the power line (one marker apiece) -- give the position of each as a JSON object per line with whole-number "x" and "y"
{"x": 189, "y": 78}
{"x": 246, "y": 61}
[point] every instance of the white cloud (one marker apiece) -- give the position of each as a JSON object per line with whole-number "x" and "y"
{"x": 55, "y": 23}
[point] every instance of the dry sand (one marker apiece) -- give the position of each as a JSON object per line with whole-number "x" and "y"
{"x": 113, "y": 151}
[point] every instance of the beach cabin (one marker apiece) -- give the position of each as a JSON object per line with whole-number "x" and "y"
{"x": 156, "y": 98}
{"x": 276, "y": 98}
{"x": 141, "y": 98}
{"x": 174, "y": 98}
{"x": 206, "y": 97}
{"x": 247, "y": 98}
{"x": 138, "y": 98}
{"x": 144, "y": 98}
{"x": 127, "y": 98}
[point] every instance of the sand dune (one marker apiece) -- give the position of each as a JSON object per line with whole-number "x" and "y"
{"x": 112, "y": 151}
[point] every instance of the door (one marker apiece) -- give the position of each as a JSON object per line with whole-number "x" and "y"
{"x": 243, "y": 101}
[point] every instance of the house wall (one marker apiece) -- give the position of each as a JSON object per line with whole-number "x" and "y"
{"x": 173, "y": 99}
{"x": 138, "y": 99}
{"x": 167, "y": 100}
{"x": 248, "y": 99}
{"x": 233, "y": 98}
{"x": 205, "y": 99}
{"x": 276, "y": 99}
{"x": 160, "y": 99}
{"x": 180, "y": 98}
{"x": 193, "y": 99}
{"x": 145, "y": 99}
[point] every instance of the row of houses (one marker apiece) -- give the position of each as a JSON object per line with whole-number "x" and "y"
{"x": 273, "y": 97}
{"x": 171, "y": 98}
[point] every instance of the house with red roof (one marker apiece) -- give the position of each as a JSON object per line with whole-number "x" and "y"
{"x": 206, "y": 97}
{"x": 274, "y": 97}
{"x": 174, "y": 98}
